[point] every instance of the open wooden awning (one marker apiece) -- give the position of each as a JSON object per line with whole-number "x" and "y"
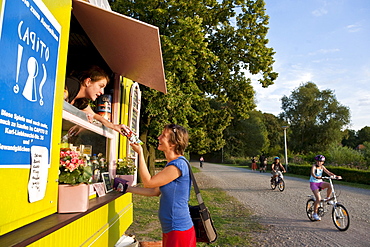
{"x": 130, "y": 47}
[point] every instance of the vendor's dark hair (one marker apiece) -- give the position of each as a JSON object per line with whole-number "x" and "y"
{"x": 95, "y": 73}
{"x": 178, "y": 136}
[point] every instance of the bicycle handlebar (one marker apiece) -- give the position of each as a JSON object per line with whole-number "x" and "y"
{"x": 332, "y": 177}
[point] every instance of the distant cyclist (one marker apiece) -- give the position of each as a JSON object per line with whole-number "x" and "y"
{"x": 277, "y": 169}
{"x": 316, "y": 183}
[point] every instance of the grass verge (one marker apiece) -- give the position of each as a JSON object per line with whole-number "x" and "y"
{"x": 233, "y": 221}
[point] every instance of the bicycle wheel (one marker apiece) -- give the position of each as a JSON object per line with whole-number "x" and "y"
{"x": 281, "y": 185}
{"x": 340, "y": 217}
{"x": 310, "y": 209}
{"x": 273, "y": 185}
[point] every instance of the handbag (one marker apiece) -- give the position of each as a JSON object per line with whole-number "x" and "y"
{"x": 205, "y": 231}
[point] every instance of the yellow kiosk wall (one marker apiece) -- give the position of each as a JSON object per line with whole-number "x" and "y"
{"x": 103, "y": 226}
{"x": 15, "y": 209}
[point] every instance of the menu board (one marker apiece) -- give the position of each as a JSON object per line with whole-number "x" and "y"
{"x": 29, "y": 49}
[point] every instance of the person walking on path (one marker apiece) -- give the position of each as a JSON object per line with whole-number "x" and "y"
{"x": 254, "y": 164}
{"x": 201, "y": 160}
{"x": 263, "y": 166}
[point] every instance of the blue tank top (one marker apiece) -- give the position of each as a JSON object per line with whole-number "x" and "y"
{"x": 318, "y": 173}
{"x": 174, "y": 212}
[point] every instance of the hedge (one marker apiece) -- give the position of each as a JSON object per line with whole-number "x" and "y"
{"x": 348, "y": 174}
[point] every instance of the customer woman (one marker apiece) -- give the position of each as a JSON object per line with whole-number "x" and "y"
{"x": 86, "y": 86}
{"x": 173, "y": 185}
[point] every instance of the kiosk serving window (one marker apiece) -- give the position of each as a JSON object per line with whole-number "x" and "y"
{"x": 90, "y": 139}
{"x": 77, "y": 131}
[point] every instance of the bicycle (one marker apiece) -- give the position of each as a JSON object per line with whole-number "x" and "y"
{"x": 279, "y": 182}
{"x": 339, "y": 213}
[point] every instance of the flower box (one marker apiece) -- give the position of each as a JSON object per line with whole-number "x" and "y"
{"x": 73, "y": 198}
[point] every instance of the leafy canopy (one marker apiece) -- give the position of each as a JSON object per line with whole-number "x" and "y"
{"x": 315, "y": 118}
{"x": 207, "y": 47}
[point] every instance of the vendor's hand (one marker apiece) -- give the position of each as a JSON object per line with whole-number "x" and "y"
{"x": 124, "y": 129}
{"x": 119, "y": 128}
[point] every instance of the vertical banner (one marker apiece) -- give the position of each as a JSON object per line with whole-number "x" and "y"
{"x": 29, "y": 49}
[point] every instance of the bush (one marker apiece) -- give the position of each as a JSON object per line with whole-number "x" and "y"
{"x": 351, "y": 175}
{"x": 348, "y": 174}
{"x": 304, "y": 170}
{"x": 237, "y": 161}
{"x": 338, "y": 155}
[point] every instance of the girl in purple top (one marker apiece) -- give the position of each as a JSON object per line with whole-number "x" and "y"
{"x": 173, "y": 184}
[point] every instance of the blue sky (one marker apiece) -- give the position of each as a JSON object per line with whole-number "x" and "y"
{"x": 326, "y": 42}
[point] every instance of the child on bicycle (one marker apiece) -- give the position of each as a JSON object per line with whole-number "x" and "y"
{"x": 276, "y": 169}
{"x": 317, "y": 184}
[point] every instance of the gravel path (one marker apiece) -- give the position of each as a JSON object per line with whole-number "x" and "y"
{"x": 284, "y": 212}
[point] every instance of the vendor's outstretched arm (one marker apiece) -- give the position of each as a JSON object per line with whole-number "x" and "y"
{"x": 105, "y": 122}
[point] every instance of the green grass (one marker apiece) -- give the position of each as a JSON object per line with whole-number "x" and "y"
{"x": 233, "y": 221}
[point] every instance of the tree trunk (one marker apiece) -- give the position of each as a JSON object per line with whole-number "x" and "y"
{"x": 149, "y": 154}
{"x": 151, "y": 160}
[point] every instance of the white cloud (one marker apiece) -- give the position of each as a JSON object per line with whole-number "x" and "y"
{"x": 269, "y": 99}
{"x": 319, "y": 12}
{"x": 324, "y": 51}
{"x": 353, "y": 28}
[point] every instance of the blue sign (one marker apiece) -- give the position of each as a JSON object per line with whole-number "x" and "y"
{"x": 29, "y": 48}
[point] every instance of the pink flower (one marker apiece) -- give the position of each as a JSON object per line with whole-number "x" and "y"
{"x": 74, "y": 160}
{"x": 69, "y": 162}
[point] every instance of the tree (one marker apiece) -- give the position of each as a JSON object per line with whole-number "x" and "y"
{"x": 350, "y": 138}
{"x": 363, "y": 135}
{"x": 246, "y": 137}
{"x": 275, "y": 134}
{"x": 315, "y": 118}
{"x": 205, "y": 55}
{"x": 366, "y": 153}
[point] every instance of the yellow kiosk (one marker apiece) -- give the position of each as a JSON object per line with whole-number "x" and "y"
{"x": 42, "y": 41}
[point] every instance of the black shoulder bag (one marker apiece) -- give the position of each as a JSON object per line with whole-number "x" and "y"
{"x": 203, "y": 224}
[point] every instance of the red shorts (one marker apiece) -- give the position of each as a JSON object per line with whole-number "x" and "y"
{"x": 179, "y": 238}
